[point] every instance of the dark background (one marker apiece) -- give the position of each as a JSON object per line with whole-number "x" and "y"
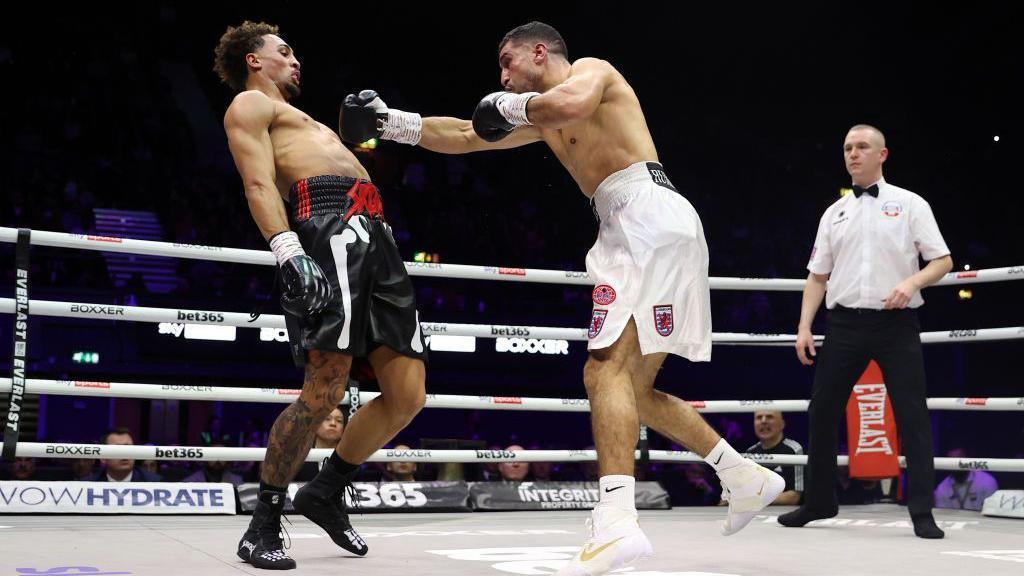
{"x": 118, "y": 108}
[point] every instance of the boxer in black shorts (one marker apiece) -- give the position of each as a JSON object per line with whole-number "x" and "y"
{"x": 340, "y": 223}
{"x": 346, "y": 294}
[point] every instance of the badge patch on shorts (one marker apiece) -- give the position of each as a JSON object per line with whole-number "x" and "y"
{"x": 596, "y": 323}
{"x": 604, "y": 295}
{"x": 664, "y": 322}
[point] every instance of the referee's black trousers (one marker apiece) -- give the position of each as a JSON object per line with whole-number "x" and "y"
{"x": 853, "y": 338}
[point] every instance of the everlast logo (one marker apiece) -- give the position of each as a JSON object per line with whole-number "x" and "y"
{"x": 175, "y": 388}
{"x": 94, "y": 309}
{"x": 569, "y": 274}
{"x": 408, "y": 453}
{"x": 495, "y": 455}
{"x": 509, "y": 331}
{"x": 200, "y": 316}
{"x": 73, "y": 450}
{"x": 962, "y": 333}
{"x": 972, "y": 465}
{"x": 871, "y": 407}
{"x": 179, "y": 452}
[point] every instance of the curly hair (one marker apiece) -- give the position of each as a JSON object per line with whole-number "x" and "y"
{"x": 229, "y": 56}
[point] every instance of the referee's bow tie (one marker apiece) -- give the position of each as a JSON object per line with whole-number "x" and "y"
{"x": 870, "y": 190}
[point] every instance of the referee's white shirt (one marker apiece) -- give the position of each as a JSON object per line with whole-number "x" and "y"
{"x": 869, "y": 245}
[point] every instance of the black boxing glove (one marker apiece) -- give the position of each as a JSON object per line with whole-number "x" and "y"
{"x": 364, "y": 116}
{"x": 306, "y": 289}
{"x": 498, "y": 114}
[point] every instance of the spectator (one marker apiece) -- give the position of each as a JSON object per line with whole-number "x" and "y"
{"x": 82, "y": 468}
{"x": 768, "y": 427}
{"x": 515, "y": 471}
{"x": 964, "y": 489}
{"x": 24, "y": 469}
{"x": 327, "y": 435}
{"x": 123, "y": 469}
{"x": 214, "y": 471}
{"x": 400, "y": 471}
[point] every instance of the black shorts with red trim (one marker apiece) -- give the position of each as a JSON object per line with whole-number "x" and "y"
{"x": 340, "y": 223}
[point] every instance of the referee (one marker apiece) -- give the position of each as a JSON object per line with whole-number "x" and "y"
{"x": 865, "y": 265}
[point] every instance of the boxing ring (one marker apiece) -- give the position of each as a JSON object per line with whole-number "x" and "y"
{"x": 864, "y": 539}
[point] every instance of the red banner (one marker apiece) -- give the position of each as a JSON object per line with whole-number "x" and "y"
{"x": 871, "y": 429}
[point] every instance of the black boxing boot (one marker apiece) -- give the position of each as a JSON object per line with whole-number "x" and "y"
{"x": 322, "y": 500}
{"x": 262, "y": 545}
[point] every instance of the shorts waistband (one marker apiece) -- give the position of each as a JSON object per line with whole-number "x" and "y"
{"x": 330, "y": 194}
{"x": 867, "y": 311}
{"x": 620, "y": 187}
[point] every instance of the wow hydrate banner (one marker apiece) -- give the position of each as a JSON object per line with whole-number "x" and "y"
{"x": 26, "y": 497}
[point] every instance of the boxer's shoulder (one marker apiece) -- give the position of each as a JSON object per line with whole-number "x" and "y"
{"x": 249, "y": 107}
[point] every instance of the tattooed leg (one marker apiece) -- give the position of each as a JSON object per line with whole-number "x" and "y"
{"x": 291, "y": 437}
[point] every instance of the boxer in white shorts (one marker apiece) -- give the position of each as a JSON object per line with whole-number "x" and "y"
{"x": 650, "y": 265}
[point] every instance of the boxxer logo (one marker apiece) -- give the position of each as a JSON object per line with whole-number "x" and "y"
{"x": 97, "y": 309}
{"x": 73, "y": 450}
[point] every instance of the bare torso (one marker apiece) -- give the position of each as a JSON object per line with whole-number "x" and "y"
{"x": 612, "y": 138}
{"x": 304, "y": 147}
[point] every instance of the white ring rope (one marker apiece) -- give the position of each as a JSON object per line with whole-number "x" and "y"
{"x": 466, "y": 402}
{"x": 462, "y": 271}
{"x": 206, "y": 454}
{"x": 242, "y": 320}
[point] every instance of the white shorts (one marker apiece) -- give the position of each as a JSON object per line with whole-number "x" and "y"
{"x": 650, "y": 262}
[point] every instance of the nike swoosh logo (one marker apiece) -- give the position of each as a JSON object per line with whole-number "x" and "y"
{"x": 607, "y": 490}
{"x": 761, "y": 489}
{"x": 587, "y": 554}
{"x": 719, "y": 458}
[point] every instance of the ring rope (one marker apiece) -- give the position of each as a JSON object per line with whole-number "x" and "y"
{"x": 244, "y": 320}
{"x": 466, "y": 402}
{"x": 206, "y": 454}
{"x": 430, "y": 269}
